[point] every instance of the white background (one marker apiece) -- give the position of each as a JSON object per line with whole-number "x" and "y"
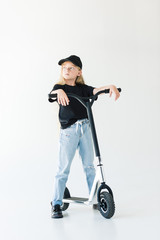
{"x": 119, "y": 43}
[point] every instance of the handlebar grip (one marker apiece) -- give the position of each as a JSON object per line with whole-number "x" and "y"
{"x": 107, "y": 90}
{"x": 51, "y": 96}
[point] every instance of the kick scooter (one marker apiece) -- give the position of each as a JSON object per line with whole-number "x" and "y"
{"x": 100, "y": 190}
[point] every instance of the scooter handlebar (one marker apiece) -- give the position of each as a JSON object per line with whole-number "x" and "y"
{"x": 93, "y": 97}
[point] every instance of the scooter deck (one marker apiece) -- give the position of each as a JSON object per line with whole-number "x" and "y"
{"x": 75, "y": 199}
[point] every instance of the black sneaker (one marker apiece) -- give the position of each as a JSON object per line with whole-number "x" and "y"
{"x": 56, "y": 211}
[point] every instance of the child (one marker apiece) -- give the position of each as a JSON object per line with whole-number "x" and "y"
{"x": 75, "y": 132}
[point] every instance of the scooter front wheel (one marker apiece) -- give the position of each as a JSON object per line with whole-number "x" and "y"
{"x": 106, "y": 205}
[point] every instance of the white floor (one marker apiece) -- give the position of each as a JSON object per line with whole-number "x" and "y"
{"x": 23, "y": 218}
{"x": 25, "y": 211}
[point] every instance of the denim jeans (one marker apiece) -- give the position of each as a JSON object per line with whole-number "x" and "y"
{"x": 76, "y": 136}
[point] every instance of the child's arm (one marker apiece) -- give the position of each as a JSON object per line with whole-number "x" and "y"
{"x": 61, "y": 97}
{"x": 112, "y": 88}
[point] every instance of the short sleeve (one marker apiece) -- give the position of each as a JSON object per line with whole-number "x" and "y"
{"x": 56, "y": 86}
{"x": 89, "y": 90}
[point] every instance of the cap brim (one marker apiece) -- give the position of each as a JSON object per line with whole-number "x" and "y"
{"x": 64, "y": 60}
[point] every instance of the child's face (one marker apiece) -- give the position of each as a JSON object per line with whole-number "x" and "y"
{"x": 70, "y": 71}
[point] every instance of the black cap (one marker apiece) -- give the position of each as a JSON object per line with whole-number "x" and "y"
{"x": 74, "y": 59}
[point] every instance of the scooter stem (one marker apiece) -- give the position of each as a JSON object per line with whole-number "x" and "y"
{"x": 93, "y": 130}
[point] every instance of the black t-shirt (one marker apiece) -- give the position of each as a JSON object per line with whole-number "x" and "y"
{"x": 69, "y": 114}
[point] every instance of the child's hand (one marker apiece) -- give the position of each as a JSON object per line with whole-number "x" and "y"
{"x": 62, "y": 97}
{"x": 114, "y": 90}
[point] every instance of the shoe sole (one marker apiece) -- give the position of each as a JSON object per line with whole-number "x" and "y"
{"x": 57, "y": 216}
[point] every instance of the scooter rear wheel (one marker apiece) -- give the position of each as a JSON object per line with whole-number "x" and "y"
{"x": 66, "y": 195}
{"x": 106, "y": 205}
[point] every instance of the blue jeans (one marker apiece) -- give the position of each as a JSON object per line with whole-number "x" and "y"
{"x": 76, "y": 136}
